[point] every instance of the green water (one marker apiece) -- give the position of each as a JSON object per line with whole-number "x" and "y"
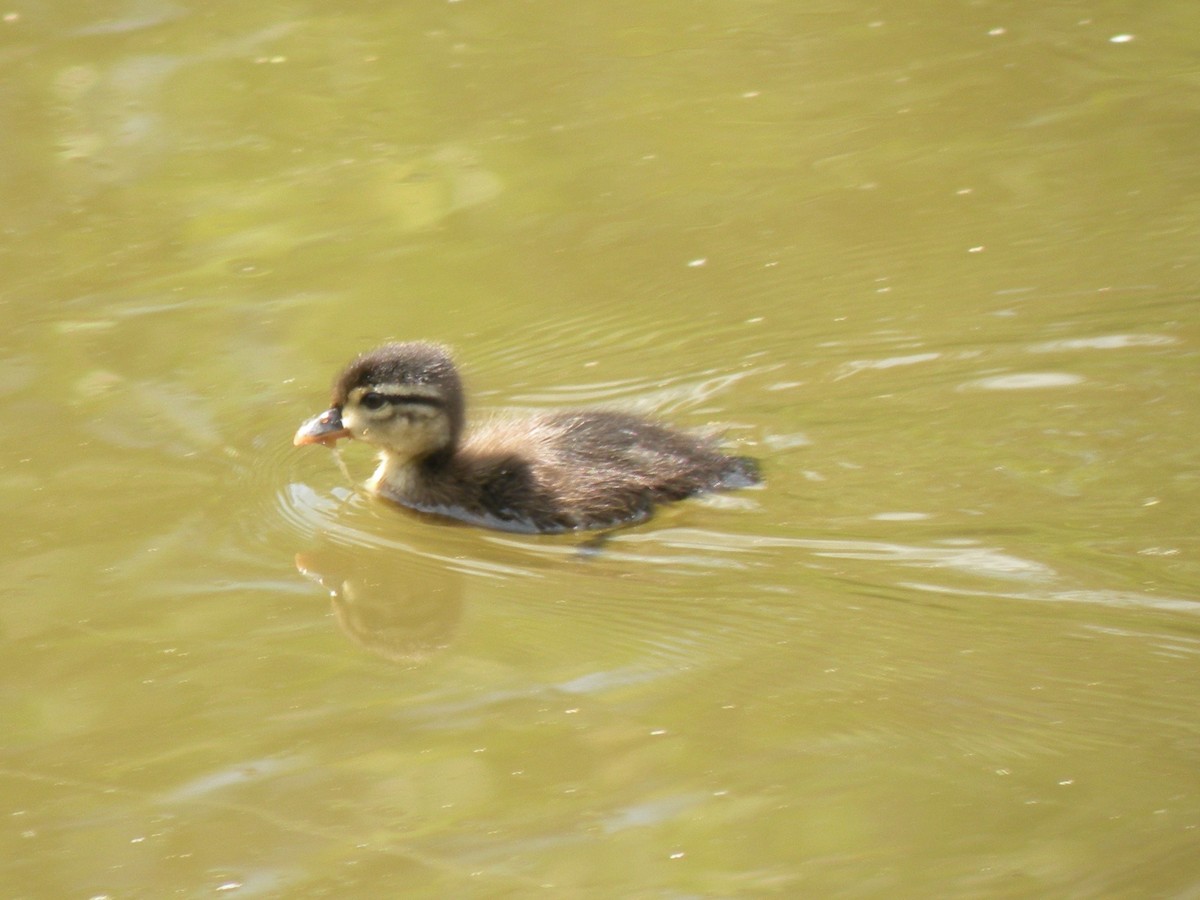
{"x": 935, "y": 264}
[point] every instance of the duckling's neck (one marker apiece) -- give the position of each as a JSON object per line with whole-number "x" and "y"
{"x": 406, "y": 479}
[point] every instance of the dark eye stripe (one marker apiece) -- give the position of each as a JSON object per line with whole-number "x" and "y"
{"x": 411, "y": 399}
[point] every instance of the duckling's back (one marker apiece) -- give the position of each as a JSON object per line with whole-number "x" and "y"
{"x": 596, "y": 469}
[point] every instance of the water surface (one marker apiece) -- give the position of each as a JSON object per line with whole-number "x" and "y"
{"x": 934, "y": 264}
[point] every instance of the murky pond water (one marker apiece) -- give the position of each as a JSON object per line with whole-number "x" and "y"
{"x": 935, "y": 265}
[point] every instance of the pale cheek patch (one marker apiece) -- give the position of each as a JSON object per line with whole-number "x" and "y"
{"x": 417, "y": 430}
{"x": 407, "y": 432}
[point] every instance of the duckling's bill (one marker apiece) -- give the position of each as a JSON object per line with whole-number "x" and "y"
{"x": 326, "y": 428}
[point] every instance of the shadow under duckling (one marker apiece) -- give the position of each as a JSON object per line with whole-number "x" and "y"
{"x": 554, "y": 472}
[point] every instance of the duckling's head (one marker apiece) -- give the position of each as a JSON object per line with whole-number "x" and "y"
{"x": 405, "y": 399}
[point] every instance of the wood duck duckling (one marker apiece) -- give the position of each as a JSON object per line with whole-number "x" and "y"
{"x": 559, "y": 471}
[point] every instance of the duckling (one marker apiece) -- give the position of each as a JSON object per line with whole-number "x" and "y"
{"x": 554, "y": 472}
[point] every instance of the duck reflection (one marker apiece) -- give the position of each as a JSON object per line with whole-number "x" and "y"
{"x": 381, "y": 606}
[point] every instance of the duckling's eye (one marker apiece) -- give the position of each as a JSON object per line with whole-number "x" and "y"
{"x": 372, "y": 400}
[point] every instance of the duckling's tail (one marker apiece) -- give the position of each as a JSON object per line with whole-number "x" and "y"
{"x": 742, "y": 471}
